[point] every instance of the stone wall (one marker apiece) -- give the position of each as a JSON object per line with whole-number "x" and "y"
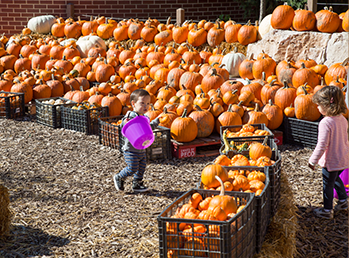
{"x": 324, "y": 48}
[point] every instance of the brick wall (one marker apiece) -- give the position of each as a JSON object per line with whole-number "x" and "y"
{"x": 15, "y": 14}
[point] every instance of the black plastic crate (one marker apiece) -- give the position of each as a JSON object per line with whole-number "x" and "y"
{"x": 262, "y": 204}
{"x": 109, "y": 131}
{"x": 246, "y": 138}
{"x": 11, "y": 105}
{"x": 84, "y": 120}
{"x": 274, "y": 174}
{"x": 110, "y": 135}
{"x": 50, "y": 114}
{"x": 270, "y": 142}
{"x": 300, "y": 132}
{"x": 221, "y": 239}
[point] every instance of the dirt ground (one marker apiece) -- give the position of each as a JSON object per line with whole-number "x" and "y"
{"x": 64, "y": 202}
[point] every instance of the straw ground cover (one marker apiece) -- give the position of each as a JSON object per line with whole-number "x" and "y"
{"x": 64, "y": 203}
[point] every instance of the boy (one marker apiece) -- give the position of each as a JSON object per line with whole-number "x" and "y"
{"x": 135, "y": 158}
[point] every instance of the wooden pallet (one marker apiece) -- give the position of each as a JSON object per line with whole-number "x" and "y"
{"x": 200, "y": 147}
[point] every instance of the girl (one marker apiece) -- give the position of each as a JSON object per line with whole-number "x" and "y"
{"x": 331, "y": 151}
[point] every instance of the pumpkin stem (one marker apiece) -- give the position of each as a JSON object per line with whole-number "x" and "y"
{"x": 304, "y": 89}
{"x": 197, "y": 107}
{"x": 272, "y": 82}
{"x": 286, "y": 86}
{"x": 345, "y": 62}
{"x": 184, "y": 113}
{"x": 230, "y": 108}
{"x": 222, "y": 185}
{"x": 263, "y": 76}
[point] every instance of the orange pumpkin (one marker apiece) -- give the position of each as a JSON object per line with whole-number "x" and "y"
{"x": 184, "y": 129}
{"x": 227, "y": 203}
{"x": 260, "y": 149}
{"x": 209, "y": 173}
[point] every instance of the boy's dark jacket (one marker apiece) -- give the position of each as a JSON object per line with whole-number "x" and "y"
{"x": 127, "y": 146}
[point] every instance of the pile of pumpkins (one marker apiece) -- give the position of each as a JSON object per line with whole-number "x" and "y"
{"x": 188, "y": 238}
{"x": 191, "y": 90}
{"x": 151, "y": 30}
{"x": 259, "y": 154}
{"x": 284, "y": 17}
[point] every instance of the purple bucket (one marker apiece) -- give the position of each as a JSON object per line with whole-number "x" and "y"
{"x": 345, "y": 178}
{"x": 138, "y": 132}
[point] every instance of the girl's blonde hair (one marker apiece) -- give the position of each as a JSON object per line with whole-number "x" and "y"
{"x": 331, "y": 98}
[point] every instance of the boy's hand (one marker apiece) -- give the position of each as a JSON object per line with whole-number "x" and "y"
{"x": 311, "y": 166}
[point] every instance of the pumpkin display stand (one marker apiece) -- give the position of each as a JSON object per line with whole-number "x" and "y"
{"x": 110, "y": 135}
{"x": 200, "y": 147}
{"x": 11, "y": 105}
{"x": 262, "y": 204}
{"x": 300, "y": 132}
{"x": 50, "y": 114}
{"x": 83, "y": 120}
{"x": 235, "y": 128}
{"x": 274, "y": 172}
{"x": 232, "y": 238}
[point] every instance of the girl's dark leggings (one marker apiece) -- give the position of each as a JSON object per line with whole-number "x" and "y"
{"x": 332, "y": 180}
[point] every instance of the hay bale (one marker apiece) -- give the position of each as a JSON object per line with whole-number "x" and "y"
{"x": 280, "y": 240}
{"x": 5, "y": 213}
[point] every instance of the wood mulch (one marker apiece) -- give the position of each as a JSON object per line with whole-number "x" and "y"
{"x": 64, "y": 202}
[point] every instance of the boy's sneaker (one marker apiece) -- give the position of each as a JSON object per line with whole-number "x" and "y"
{"x": 341, "y": 206}
{"x": 321, "y": 213}
{"x": 118, "y": 182}
{"x": 138, "y": 187}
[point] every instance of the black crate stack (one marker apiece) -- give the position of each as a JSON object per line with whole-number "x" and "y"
{"x": 11, "y": 105}
{"x": 51, "y": 114}
{"x": 83, "y": 120}
{"x": 221, "y": 239}
{"x": 110, "y": 135}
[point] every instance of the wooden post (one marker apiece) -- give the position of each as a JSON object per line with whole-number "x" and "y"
{"x": 180, "y": 16}
{"x": 70, "y": 10}
{"x": 312, "y": 5}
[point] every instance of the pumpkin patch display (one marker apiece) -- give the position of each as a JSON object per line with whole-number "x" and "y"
{"x": 238, "y": 180}
{"x": 193, "y": 239}
{"x": 183, "y": 67}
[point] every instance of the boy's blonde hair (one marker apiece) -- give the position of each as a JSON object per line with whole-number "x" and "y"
{"x": 332, "y": 99}
{"x": 138, "y": 93}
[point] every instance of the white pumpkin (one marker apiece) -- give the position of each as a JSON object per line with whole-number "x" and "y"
{"x": 232, "y": 62}
{"x": 84, "y": 44}
{"x": 66, "y": 41}
{"x": 41, "y": 24}
{"x": 265, "y": 26}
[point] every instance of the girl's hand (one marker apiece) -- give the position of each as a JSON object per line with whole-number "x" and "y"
{"x": 311, "y": 166}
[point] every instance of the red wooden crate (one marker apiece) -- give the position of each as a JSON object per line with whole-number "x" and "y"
{"x": 200, "y": 147}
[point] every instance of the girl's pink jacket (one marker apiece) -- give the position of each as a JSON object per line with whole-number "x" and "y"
{"x": 332, "y": 149}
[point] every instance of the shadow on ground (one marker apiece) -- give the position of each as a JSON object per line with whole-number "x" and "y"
{"x": 24, "y": 241}
{"x": 318, "y": 237}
